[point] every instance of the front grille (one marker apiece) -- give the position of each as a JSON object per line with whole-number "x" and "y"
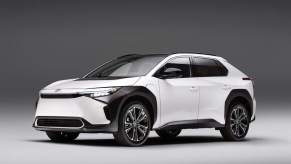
{"x": 59, "y": 122}
{"x": 60, "y": 95}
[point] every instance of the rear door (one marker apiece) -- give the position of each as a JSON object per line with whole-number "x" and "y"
{"x": 211, "y": 76}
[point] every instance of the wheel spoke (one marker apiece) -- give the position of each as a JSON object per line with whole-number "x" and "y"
{"x": 143, "y": 117}
{"x": 143, "y": 131}
{"x": 232, "y": 121}
{"x": 233, "y": 128}
{"x": 242, "y": 128}
{"x": 243, "y": 114}
{"x": 128, "y": 124}
{"x": 135, "y": 138}
{"x": 128, "y": 127}
{"x": 145, "y": 128}
{"x": 236, "y": 113}
{"x": 134, "y": 113}
{"x": 243, "y": 125}
{"x": 140, "y": 114}
{"x": 243, "y": 117}
{"x": 131, "y": 116}
{"x": 133, "y": 133}
{"x": 236, "y": 129}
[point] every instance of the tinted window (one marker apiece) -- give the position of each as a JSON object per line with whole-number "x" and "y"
{"x": 127, "y": 66}
{"x": 204, "y": 67}
{"x": 175, "y": 68}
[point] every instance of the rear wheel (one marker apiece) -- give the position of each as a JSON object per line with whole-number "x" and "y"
{"x": 62, "y": 136}
{"x": 168, "y": 134}
{"x": 237, "y": 123}
{"x": 134, "y": 125}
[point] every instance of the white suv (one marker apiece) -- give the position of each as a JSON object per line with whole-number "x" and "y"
{"x": 134, "y": 94}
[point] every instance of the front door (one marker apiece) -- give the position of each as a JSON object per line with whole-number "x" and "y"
{"x": 178, "y": 91}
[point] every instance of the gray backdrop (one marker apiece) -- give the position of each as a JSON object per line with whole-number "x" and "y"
{"x": 44, "y": 41}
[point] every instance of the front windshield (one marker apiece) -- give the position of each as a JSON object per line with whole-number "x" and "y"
{"x": 129, "y": 66}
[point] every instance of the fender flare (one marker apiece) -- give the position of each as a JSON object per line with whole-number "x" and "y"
{"x": 116, "y": 102}
{"x": 238, "y": 93}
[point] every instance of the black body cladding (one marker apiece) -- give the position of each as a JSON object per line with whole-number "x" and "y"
{"x": 240, "y": 95}
{"x": 192, "y": 124}
{"x": 116, "y": 102}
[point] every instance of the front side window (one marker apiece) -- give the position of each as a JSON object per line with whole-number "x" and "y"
{"x": 175, "y": 68}
{"x": 204, "y": 67}
{"x": 130, "y": 66}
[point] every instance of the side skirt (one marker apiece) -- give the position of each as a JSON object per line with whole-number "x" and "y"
{"x": 192, "y": 124}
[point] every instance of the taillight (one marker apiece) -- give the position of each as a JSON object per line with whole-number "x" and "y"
{"x": 247, "y": 78}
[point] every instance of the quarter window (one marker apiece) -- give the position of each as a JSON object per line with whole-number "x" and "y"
{"x": 204, "y": 67}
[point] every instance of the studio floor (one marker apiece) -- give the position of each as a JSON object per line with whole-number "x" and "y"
{"x": 268, "y": 141}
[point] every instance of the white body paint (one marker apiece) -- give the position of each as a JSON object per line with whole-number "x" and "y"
{"x": 177, "y": 99}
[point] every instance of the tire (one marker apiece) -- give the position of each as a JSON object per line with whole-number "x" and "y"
{"x": 168, "y": 134}
{"x": 134, "y": 125}
{"x": 237, "y": 122}
{"x": 62, "y": 136}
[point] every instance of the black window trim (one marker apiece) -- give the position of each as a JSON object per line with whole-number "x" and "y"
{"x": 215, "y": 60}
{"x": 190, "y": 62}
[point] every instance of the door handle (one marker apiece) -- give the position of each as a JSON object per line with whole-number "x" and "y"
{"x": 226, "y": 87}
{"x": 193, "y": 88}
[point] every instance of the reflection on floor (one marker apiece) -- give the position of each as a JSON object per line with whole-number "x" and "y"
{"x": 268, "y": 141}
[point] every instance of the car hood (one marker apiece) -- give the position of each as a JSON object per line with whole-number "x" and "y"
{"x": 96, "y": 83}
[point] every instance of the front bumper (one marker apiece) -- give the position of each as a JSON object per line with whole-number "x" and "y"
{"x": 85, "y": 127}
{"x": 253, "y": 118}
{"x": 89, "y": 112}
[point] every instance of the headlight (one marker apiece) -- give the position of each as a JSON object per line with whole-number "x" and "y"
{"x": 99, "y": 92}
{"x": 36, "y": 103}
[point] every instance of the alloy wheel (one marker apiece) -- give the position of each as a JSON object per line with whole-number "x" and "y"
{"x": 136, "y": 123}
{"x": 239, "y": 121}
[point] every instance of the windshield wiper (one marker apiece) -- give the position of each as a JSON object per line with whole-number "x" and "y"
{"x": 99, "y": 75}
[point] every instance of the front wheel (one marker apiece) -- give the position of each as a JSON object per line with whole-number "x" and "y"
{"x": 134, "y": 125}
{"x": 62, "y": 136}
{"x": 237, "y": 123}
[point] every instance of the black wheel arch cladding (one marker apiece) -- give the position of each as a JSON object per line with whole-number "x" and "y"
{"x": 116, "y": 102}
{"x": 240, "y": 95}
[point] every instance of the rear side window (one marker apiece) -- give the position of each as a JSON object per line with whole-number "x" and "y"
{"x": 204, "y": 67}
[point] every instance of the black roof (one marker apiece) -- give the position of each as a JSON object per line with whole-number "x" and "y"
{"x": 143, "y": 55}
{"x": 163, "y": 55}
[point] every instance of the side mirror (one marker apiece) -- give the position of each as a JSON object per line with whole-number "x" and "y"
{"x": 169, "y": 75}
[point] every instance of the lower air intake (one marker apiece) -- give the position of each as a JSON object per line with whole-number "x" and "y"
{"x": 70, "y": 123}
